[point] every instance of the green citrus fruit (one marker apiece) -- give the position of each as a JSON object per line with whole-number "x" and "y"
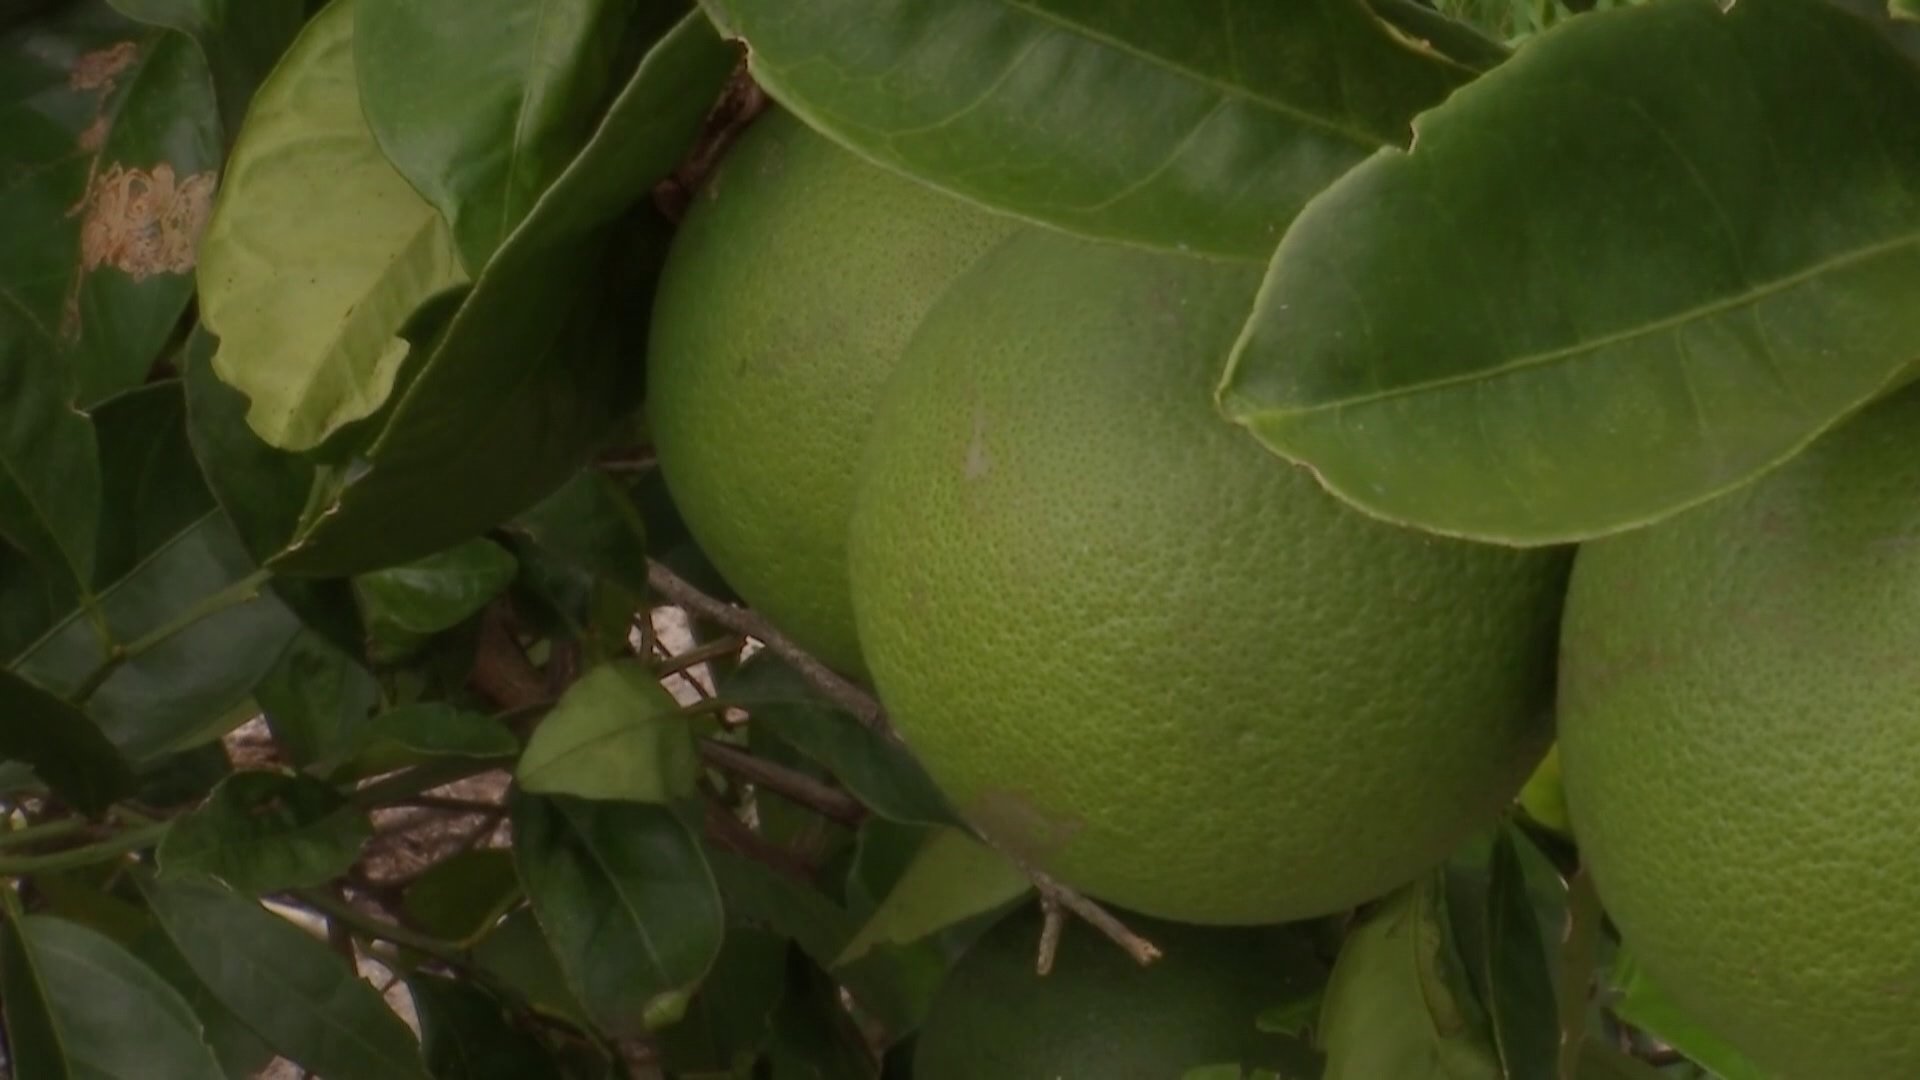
{"x": 1741, "y": 751}
{"x": 1149, "y": 655}
{"x": 790, "y": 287}
{"x": 1098, "y": 1015}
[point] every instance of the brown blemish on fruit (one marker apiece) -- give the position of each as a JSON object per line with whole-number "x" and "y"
{"x": 1013, "y": 822}
{"x": 979, "y": 462}
{"x": 97, "y": 70}
{"x": 140, "y": 223}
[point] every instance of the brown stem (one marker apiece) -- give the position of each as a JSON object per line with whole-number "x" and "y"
{"x": 700, "y": 654}
{"x": 731, "y": 833}
{"x": 824, "y": 799}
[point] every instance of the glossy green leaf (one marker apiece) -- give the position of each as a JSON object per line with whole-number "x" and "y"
{"x": 625, "y": 899}
{"x": 49, "y": 465}
{"x": 316, "y": 701}
{"x": 517, "y": 954}
{"x": 406, "y": 604}
{"x": 615, "y": 734}
{"x": 1516, "y": 972}
{"x": 112, "y": 156}
{"x": 240, "y": 40}
{"x": 286, "y": 984}
{"x": 537, "y": 365}
{"x": 205, "y": 633}
{"x": 151, "y": 488}
{"x": 1653, "y": 255}
{"x": 953, "y": 877}
{"x": 1637, "y": 1000}
{"x": 78, "y": 1006}
{"x": 264, "y": 490}
{"x": 729, "y": 1020}
{"x": 461, "y": 897}
{"x": 482, "y": 105}
{"x": 468, "y": 1035}
{"x": 1397, "y": 1003}
{"x": 592, "y": 522}
{"x": 264, "y": 832}
{"x": 879, "y": 770}
{"x": 242, "y": 1055}
{"x": 66, "y": 749}
{"x": 412, "y": 734}
{"x": 317, "y": 251}
{"x": 1189, "y": 127}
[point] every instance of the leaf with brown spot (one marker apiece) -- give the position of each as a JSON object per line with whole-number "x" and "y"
{"x": 107, "y": 172}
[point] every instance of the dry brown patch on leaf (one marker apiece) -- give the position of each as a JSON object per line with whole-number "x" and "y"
{"x": 144, "y": 223}
{"x": 96, "y": 70}
{"x": 95, "y": 137}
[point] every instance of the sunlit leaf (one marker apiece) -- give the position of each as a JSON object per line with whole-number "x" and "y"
{"x": 78, "y": 1006}
{"x": 266, "y": 831}
{"x": 1656, "y": 253}
{"x": 1192, "y": 127}
{"x": 1637, "y": 1000}
{"x": 537, "y": 365}
{"x": 295, "y": 992}
{"x": 953, "y": 877}
{"x": 318, "y": 250}
{"x": 615, "y": 734}
{"x": 625, "y": 898}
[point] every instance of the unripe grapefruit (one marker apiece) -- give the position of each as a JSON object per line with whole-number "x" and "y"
{"x": 1740, "y": 744}
{"x": 789, "y": 289}
{"x": 1098, "y": 1015}
{"x": 1149, "y": 655}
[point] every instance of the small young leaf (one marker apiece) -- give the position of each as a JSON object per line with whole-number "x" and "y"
{"x": 66, "y": 749}
{"x": 1637, "y": 1000}
{"x": 468, "y": 1035}
{"x": 1201, "y": 127}
{"x": 318, "y": 249}
{"x": 876, "y": 769}
{"x": 1397, "y": 1005}
{"x": 615, "y": 734}
{"x": 1518, "y": 978}
{"x": 316, "y": 700}
{"x": 481, "y": 108}
{"x": 624, "y": 896}
{"x": 954, "y": 877}
{"x": 240, "y": 40}
{"x": 536, "y": 366}
{"x": 78, "y": 1005}
{"x": 287, "y": 985}
{"x": 223, "y": 632}
{"x": 463, "y": 896}
{"x": 266, "y": 831}
{"x": 406, "y": 604}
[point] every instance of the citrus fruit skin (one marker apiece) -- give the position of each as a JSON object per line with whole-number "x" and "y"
{"x": 1740, "y": 746}
{"x": 1150, "y": 656}
{"x": 1098, "y": 1015}
{"x": 789, "y": 290}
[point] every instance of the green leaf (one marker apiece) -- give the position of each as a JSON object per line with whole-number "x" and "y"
{"x": 1904, "y": 9}
{"x": 517, "y": 954}
{"x": 1575, "y": 961}
{"x": 287, "y": 985}
{"x": 413, "y": 734}
{"x": 406, "y": 604}
{"x": 1637, "y": 1000}
{"x": 200, "y": 633}
{"x": 953, "y": 877}
{"x": 78, "y": 1006}
{"x": 593, "y": 523}
{"x": 482, "y": 108}
{"x": 151, "y": 487}
{"x": 242, "y": 1055}
{"x": 462, "y": 897}
{"x": 1518, "y": 977}
{"x": 468, "y": 1035}
{"x": 112, "y": 156}
{"x": 1198, "y": 128}
{"x": 615, "y": 734}
{"x": 66, "y": 749}
{"x": 316, "y": 701}
{"x": 730, "y": 1019}
{"x": 1598, "y": 1061}
{"x": 537, "y": 365}
{"x": 1702, "y": 260}
{"x": 318, "y": 250}
{"x": 239, "y": 39}
{"x": 1397, "y": 1003}
{"x": 49, "y": 465}
{"x": 878, "y": 770}
{"x": 624, "y": 896}
{"x": 264, "y": 490}
{"x": 264, "y": 832}
{"x": 813, "y": 1036}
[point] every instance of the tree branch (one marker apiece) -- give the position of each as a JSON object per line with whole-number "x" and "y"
{"x": 828, "y": 801}
{"x": 867, "y": 709}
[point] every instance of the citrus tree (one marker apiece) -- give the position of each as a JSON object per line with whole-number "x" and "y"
{"x": 958, "y": 539}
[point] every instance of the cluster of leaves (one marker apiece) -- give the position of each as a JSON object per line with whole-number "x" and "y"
{"x": 321, "y": 339}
